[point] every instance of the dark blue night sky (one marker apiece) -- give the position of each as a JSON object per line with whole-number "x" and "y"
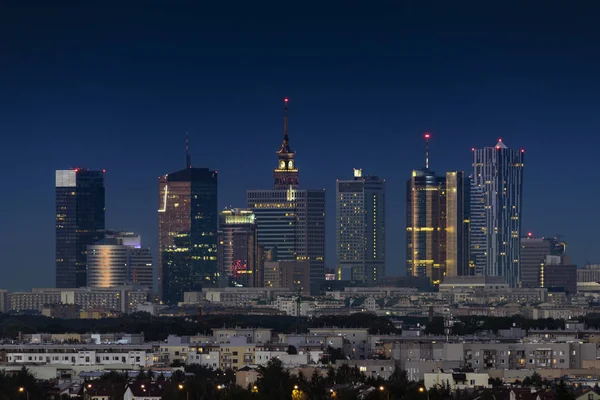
{"x": 116, "y": 87}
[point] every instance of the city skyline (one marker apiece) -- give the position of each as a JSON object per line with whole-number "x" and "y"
{"x": 120, "y": 96}
{"x": 278, "y": 170}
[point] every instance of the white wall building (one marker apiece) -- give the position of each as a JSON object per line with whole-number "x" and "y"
{"x": 456, "y": 380}
{"x": 81, "y": 355}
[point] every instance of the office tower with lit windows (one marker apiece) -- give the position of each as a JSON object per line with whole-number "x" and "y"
{"x": 478, "y": 236}
{"x": 534, "y": 252}
{"x": 426, "y": 223}
{"x": 187, "y": 231}
{"x": 360, "y": 228}
{"x": 498, "y": 172}
{"x": 458, "y": 224}
{"x": 238, "y": 255}
{"x": 118, "y": 260}
{"x": 290, "y": 222}
{"x": 80, "y": 219}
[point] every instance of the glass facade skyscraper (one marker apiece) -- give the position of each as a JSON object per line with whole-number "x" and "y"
{"x": 80, "y": 221}
{"x": 187, "y": 232}
{"x": 360, "y": 228}
{"x": 498, "y": 172}
{"x": 478, "y": 229}
{"x": 438, "y": 220}
{"x": 425, "y": 225}
{"x": 458, "y": 223}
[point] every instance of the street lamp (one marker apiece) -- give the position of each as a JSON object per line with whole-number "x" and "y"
{"x": 187, "y": 394}
{"x": 22, "y": 389}
{"x": 423, "y": 390}
{"x": 382, "y": 390}
{"x": 254, "y": 389}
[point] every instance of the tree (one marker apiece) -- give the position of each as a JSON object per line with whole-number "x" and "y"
{"x": 274, "y": 381}
{"x": 292, "y": 350}
{"x": 535, "y": 380}
{"x": 495, "y": 382}
{"x": 563, "y": 392}
{"x": 318, "y": 386}
{"x": 142, "y": 375}
{"x": 332, "y": 354}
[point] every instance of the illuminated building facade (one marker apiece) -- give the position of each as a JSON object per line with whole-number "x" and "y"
{"x": 478, "y": 229}
{"x": 286, "y": 173}
{"x": 425, "y": 225}
{"x": 187, "y": 232}
{"x": 117, "y": 260}
{"x": 458, "y": 224}
{"x": 238, "y": 253}
{"x": 80, "y": 219}
{"x": 498, "y": 171}
{"x": 290, "y": 222}
{"x": 360, "y": 228}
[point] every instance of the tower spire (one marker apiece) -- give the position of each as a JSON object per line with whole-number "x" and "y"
{"x": 286, "y": 173}
{"x": 188, "y": 161}
{"x": 427, "y": 136}
{"x": 285, "y": 146}
{"x": 285, "y": 119}
{"x": 286, "y": 138}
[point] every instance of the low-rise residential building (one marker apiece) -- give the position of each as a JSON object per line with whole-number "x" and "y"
{"x": 456, "y": 380}
{"x": 123, "y": 299}
{"x": 144, "y": 355}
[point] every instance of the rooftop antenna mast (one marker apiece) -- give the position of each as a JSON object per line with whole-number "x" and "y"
{"x": 285, "y": 119}
{"x": 188, "y": 161}
{"x": 427, "y": 136}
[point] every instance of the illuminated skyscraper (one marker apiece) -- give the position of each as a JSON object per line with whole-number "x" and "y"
{"x": 498, "y": 172}
{"x": 119, "y": 259}
{"x": 478, "y": 229}
{"x": 80, "y": 212}
{"x": 426, "y": 223}
{"x": 291, "y": 222}
{"x": 360, "y": 228}
{"x": 187, "y": 231}
{"x": 238, "y": 250}
{"x": 458, "y": 214}
{"x": 438, "y": 218}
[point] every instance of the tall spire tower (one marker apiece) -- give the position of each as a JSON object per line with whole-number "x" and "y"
{"x": 427, "y": 136}
{"x": 286, "y": 173}
{"x": 188, "y": 161}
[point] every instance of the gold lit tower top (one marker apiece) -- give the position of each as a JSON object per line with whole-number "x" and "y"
{"x": 286, "y": 173}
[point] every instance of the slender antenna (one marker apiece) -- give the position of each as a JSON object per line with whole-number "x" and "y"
{"x": 188, "y": 161}
{"x": 285, "y": 119}
{"x": 427, "y": 136}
